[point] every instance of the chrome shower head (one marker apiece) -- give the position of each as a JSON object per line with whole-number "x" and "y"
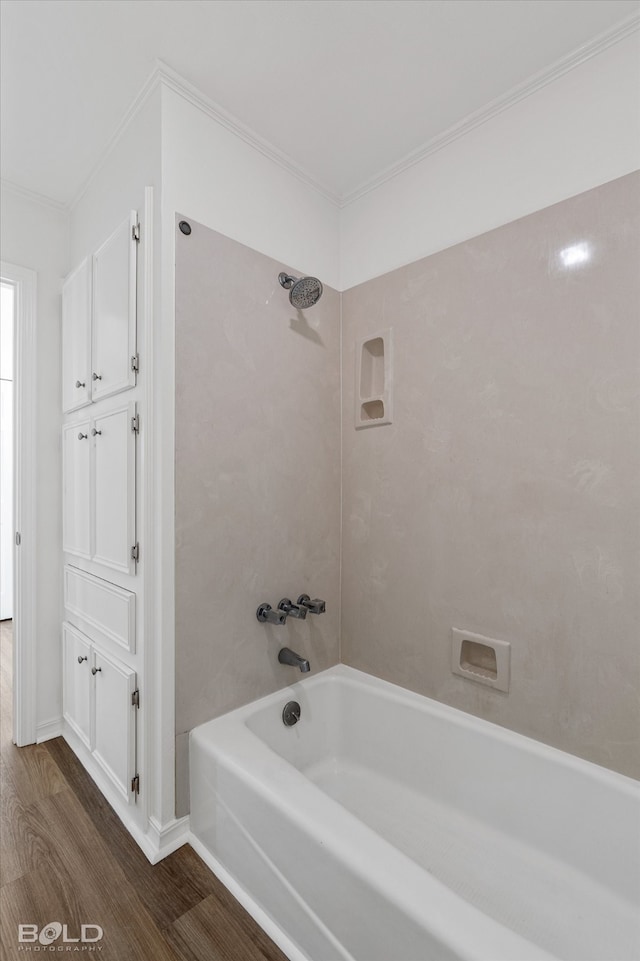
{"x": 303, "y": 291}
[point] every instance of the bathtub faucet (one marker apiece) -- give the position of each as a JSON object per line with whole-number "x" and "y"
{"x": 287, "y": 656}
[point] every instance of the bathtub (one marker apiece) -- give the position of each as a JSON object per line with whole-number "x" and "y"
{"x": 385, "y": 826}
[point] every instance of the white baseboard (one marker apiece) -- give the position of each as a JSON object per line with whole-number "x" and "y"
{"x": 268, "y": 925}
{"x": 155, "y": 840}
{"x": 48, "y": 729}
{"x": 168, "y": 838}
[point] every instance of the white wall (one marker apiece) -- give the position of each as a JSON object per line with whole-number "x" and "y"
{"x": 36, "y": 235}
{"x": 211, "y": 174}
{"x": 128, "y": 167}
{"x": 576, "y": 133}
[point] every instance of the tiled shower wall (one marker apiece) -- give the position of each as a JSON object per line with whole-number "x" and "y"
{"x": 505, "y": 498}
{"x": 257, "y": 475}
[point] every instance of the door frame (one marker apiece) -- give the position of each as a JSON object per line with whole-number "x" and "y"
{"x": 24, "y": 501}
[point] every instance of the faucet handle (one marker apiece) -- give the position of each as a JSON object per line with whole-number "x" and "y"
{"x": 315, "y": 606}
{"x": 291, "y": 609}
{"x": 266, "y": 615}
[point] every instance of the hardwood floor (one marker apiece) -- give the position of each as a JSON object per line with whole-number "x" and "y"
{"x": 65, "y": 856}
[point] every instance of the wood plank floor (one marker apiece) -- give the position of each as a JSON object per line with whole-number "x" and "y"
{"x": 65, "y": 856}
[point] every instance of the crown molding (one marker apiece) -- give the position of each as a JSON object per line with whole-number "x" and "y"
{"x": 163, "y": 74}
{"x": 136, "y": 105}
{"x": 559, "y": 68}
{"x": 35, "y": 198}
{"x": 174, "y": 81}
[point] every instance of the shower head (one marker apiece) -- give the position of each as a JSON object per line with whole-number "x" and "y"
{"x": 303, "y": 291}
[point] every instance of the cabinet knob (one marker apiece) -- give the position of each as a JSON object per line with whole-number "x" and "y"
{"x": 81, "y": 658}
{"x": 95, "y": 376}
{"x": 82, "y": 436}
{"x": 94, "y": 670}
{"x": 80, "y": 383}
{"x": 94, "y": 431}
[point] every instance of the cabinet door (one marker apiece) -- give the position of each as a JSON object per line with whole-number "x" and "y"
{"x": 76, "y": 338}
{"x": 76, "y": 488}
{"x": 114, "y": 312}
{"x": 77, "y": 682}
{"x": 115, "y": 488}
{"x": 114, "y": 744}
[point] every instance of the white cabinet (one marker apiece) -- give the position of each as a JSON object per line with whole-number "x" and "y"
{"x": 114, "y": 486}
{"x": 76, "y": 488}
{"x": 77, "y": 681}
{"x": 99, "y": 488}
{"x": 99, "y": 301}
{"x": 76, "y": 339}
{"x": 114, "y": 741}
{"x": 99, "y": 707}
{"x": 113, "y": 341}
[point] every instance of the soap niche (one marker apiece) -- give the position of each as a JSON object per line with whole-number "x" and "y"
{"x": 374, "y": 380}
{"x": 481, "y": 659}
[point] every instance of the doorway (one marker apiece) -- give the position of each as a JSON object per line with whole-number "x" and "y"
{"x": 18, "y": 480}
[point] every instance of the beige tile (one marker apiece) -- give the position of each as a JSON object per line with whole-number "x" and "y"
{"x": 504, "y": 499}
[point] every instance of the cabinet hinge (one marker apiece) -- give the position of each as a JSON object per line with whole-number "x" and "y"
{"x": 135, "y": 233}
{"x": 135, "y": 363}
{"x": 135, "y": 698}
{"x": 135, "y": 424}
{"x": 135, "y": 784}
{"x": 135, "y": 552}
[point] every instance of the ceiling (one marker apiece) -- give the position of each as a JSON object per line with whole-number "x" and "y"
{"x": 345, "y": 88}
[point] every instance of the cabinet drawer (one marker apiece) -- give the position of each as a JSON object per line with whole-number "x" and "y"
{"x": 100, "y": 609}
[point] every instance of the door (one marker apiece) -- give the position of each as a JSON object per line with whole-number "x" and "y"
{"x": 76, "y": 338}
{"x": 115, "y": 488}
{"x": 114, "y": 312}
{"x": 76, "y": 488}
{"x": 115, "y": 722}
{"x": 7, "y": 531}
{"x": 77, "y": 682}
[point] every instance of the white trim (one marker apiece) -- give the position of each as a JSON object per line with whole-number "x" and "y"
{"x": 251, "y": 906}
{"x": 126, "y": 812}
{"x": 47, "y": 730}
{"x": 130, "y": 114}
{"x": 163, "y": 74}
{"x": 24, "y": 476}
{"x": 168, "y": 838}
{"x": 150, "y": 759}
{"x": 35, "y": 198}
{"x": 158, "y": 840}
{"x": 171, "y": 79}
{"x": 513, "y": 96}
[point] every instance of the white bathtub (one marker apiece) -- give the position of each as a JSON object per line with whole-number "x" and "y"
{"x": 387, "y": 827}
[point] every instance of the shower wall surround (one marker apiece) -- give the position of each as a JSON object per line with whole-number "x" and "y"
{"x": 257, "y": 473}
{"x": 504, "y": 497}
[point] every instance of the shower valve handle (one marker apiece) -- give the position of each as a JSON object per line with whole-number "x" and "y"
{"x": 291, "y": 609}
{"x": 266, "y": 615}
{"x": 315, "y": 606}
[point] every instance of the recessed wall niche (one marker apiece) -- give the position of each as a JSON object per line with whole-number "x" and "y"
{"x": 374, "y": 380}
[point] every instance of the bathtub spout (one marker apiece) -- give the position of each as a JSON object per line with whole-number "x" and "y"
{"x": 287, "y": 656}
